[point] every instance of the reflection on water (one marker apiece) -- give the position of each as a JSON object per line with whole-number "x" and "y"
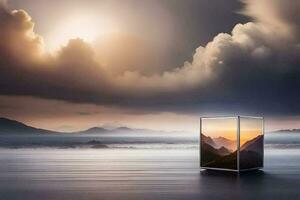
{"x": 140, "y": 174}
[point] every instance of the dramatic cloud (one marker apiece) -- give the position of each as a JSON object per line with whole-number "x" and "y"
{"x": 281, "y": 15}
{"x": 253, "y": 69}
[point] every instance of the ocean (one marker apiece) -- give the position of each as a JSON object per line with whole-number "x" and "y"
{"x": 143, "y": 170}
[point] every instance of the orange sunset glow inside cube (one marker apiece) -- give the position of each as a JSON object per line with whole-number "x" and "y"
{"x": 231, "y": 143}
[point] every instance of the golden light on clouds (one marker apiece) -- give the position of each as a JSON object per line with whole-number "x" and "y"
{"x": 85, "y": 26}
{"x": 142, "y": 68}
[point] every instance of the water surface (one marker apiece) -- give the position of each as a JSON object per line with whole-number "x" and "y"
{"x": 82, "y": 174}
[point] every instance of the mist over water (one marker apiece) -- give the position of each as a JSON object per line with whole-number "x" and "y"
{"x": 282, "y": 140}
{"x": 123, "y": 140}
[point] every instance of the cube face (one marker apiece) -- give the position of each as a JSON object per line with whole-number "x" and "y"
{"x": 251, "y": 143}
{"x": 219, "y": 143}
{"x": 231, "y": 143}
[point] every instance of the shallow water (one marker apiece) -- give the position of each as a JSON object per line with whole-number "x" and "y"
{"x": 140, "y": 174}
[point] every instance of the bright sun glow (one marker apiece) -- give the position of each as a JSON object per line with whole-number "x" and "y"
{"x": 86, "y": 27}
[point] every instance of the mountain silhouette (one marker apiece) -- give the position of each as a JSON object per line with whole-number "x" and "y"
{"x": 251, "y": 154}
{"x": 123, "y": 129}
{"x": 93, "y": 130}
{"x": 208, "y": 140}
{"x": 8, "y": 126}
{"x": 223, "y": 151}
{"x": 208, "y": 154}
{"x": 295, "y": 130}
{"x": 215, "y": 158}
{"x": 222, "y": 141}
{"x": 254, "y": 144}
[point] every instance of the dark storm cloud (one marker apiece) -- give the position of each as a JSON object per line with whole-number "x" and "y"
{"x": 165, "y": 33}
{"x": 200, "y": 21}
{"x": 254, "y": 69}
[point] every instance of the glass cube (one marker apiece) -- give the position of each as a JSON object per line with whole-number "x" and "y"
{"x": 231, "y": 143}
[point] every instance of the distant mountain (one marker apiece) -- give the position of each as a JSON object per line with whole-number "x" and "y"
{"x": 229, "y": 144}
{"x": 208, "y": 140}
{"x": 93, "y": 130}
{"x": 223, "y": 151}
{"x": 208, "y": 147}
{"x": 287, "y": 131}
{"x": 101, "y": 130}
{"x": 8, "y": 126}
{"x": 255, "y": 144}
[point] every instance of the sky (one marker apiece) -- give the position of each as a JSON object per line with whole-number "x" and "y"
{"x": 250, "y": 129}
{"x": 227, "y": 127}
{"x": 220, "y": 127}
{"x": 69, "y": 65}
